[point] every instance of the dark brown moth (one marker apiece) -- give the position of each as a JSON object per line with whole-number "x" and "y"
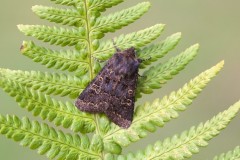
{"x": 113, "y": 90}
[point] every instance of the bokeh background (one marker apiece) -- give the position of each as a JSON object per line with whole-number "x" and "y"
{"x": 214, "y": 24}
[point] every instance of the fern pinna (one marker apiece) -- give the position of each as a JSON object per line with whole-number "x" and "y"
{"x": 94, "y": 136}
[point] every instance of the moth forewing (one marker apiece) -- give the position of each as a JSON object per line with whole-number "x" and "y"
{"x": 112, "y": 91}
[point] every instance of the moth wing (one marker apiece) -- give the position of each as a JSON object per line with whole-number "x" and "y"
{"x": 95, "y": 97}
{"x": 88, "y": 104}
{"x": 112, "y": 91}
{"x": 120, "y": 114}
{"x": 121, "y": 107}
{"x": 89, "y": 99}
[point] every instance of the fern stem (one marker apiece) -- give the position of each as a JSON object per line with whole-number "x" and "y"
{"x": 90, "y": 55}
{"x": 90, "y": 49}
{"x": 88, "y": 28}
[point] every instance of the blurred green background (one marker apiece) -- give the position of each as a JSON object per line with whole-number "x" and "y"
{"x": 214, "y": 24}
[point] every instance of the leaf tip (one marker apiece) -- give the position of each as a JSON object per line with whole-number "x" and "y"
{"x": 237, "y": 105}
{"x": 197, "y": 45}
{"x": 22, "y": 27}
{"x": 194, "y": 49}
{"x": 176, "y": 37}
{"x": 178, "y": 34}
{"x": 147, "y": 4}
{"x": 35, "y": 8}
{"x": 221, "y": 63}
{"x": 19, "y": 26}
{"x": 217, "y": 68}
{"x": 23, "y": 46}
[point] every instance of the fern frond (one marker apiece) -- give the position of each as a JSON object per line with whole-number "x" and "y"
{"x": 64, "y": 16}
{"x": 101, "y": 5}
{"x": 67, "y": 2}
{"x": 94, "y": 5}
{"x": 150, "y": 116}
{"x": 50, "y": 83}
{"x": 54, "y": 35}
{"x": 140, "y": 38}
{"x": 154, "y": 52}
{"x": 136, "y": 39}
{"x": 31, "y": 89}
{"x": 117, "y": 20}
{"x": 230, "y": 155}
{"x": 156, "y": 76}
{"x": 70, "y": 60}
{"x": 66, "y": 115}
{"x": 55, "y": 144}
{"x": 188, "y": 143}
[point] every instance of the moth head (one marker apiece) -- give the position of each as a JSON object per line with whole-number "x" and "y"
{"x": 130, "y": 52}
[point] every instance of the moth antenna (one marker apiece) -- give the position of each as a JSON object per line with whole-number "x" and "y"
{"x": 115, "y": 46}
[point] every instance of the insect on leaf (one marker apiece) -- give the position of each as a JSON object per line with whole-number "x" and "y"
{"x": 113, "y": 90}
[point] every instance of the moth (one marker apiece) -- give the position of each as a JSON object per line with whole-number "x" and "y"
{"x": 113, "y": 90}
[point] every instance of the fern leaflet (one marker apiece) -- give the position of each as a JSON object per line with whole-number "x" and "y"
{"x": 230, "y": 155}
{"x": 161, "y": 110}
{"x": 47, "y": 140}
{"x": 184, "y": 145}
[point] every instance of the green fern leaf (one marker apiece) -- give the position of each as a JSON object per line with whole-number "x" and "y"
{"x": 230, "y": 155}
{"x": 156, "y": 76}
{"x": 136, "y": 39}
{"x": 101, "y": 5}
{"x": 97, "y": 143}
{"x": 188, "y": 143}
{"x": 64, "y": 16}
{"x": 66, "y": 115}
{"x": 122, "y": 18}
{"x": 53, "y": 35}
{"x": 50, "y": 83}
{"x": 154, "y": 52}
{"x": 140, "y": 38}
{"x": 70, "y": 60}
{"x": 67, "y": 2}
{"x": 161, "y": 111}
{"x": 55, "y": 144}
